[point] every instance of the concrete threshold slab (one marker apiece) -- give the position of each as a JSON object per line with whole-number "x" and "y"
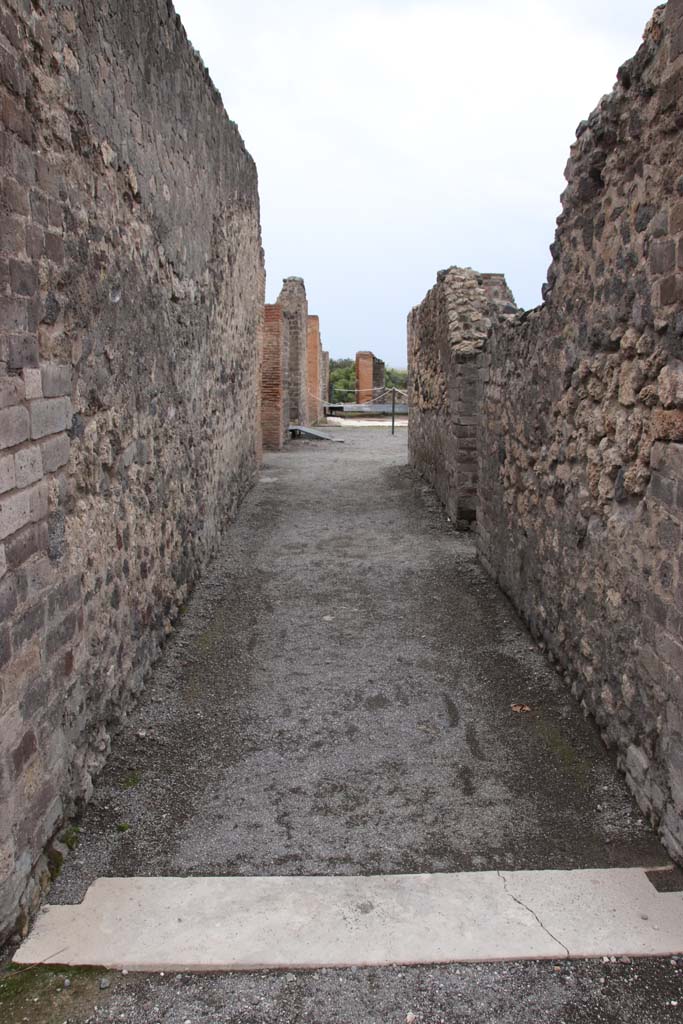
{"x": 213, "y": 924}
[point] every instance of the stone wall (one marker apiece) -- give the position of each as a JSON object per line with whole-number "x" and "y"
{"x": 378, "y": 379}
{"x": 580, "y": 439}
{"x": 292, "y": 300}
{"x": 369, "y": 377}
{"x": 274, "y": 379}
{"x": 582, "y": 454}
{"x": 132, "y": 285}
{"x": 446, "y": 335}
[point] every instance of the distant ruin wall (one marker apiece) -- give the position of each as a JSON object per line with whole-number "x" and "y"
{"x": 580, "y": 494}
{"x": 274, "y": 379}
{"x": 279, "y": 396}
{"x": 132, "y": 284}
{"x": 314, "y": 355}
{"x": 446, "y": 335}
{"x": 369, "y": 378}
{"x": 325, "y": 376}
{"x": 292, "y": 299}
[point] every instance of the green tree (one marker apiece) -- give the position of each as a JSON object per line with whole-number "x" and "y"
{"x": 395, "y": 378}
{"x": 343, "y": 379}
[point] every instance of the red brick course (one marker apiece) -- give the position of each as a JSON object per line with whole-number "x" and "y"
{"x": 274, "y": 398}
{"x": 369, "y": 377}
{"x": 314, "y": 355}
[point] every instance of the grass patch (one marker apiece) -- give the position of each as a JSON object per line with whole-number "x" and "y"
{"x": 71, "y": 836}
{"x": 31, "y": 993}
{"x": 55, "y": 861}
{"x": 565, "y": 753}
{"x": 131, "y": 780}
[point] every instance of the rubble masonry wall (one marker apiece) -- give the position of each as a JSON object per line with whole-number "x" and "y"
{"x": 294, "y": 304}
{"x": 579, "y": 426}
{"x": 446, "y": 336}
{"x": 131, "y": 278}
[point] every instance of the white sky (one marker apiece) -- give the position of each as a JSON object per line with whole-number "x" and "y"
{"x": 397, "y": 137}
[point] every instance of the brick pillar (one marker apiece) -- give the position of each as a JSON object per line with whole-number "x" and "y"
{"x": 369, "y": 377}
{"x": 364, "y": 362}
{"x": 314, "y": 360}
{"x": 274, "y": 399}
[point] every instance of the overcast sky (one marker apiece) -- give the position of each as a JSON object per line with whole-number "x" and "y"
{"x": 397, "y": 137}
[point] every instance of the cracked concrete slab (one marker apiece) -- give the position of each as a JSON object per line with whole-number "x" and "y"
{"x": 208, "y": 924}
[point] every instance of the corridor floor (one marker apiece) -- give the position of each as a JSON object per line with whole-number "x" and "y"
{"x": 337, "y": 700}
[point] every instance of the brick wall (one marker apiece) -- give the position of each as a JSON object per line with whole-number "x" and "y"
{"x": 314, "y": 355}
{"x": 580, "y": 428}
{"x": 274, "y": 371}
{"x": 369, "y": 377}
{"x": 292, "y": 300}
{"x": 364, "y": 381}
{"x": 285, "y": 398}
{"x": 131, "y": 286}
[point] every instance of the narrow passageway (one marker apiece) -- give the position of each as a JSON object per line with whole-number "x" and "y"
{"x": 338, "y": 700}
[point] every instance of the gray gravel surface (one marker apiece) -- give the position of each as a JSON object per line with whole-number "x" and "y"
{"x": 337, "y": 700}
{"x": 581, "y": 992}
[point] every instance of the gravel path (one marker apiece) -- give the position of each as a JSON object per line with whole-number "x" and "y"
{"x": 337, "y": 700}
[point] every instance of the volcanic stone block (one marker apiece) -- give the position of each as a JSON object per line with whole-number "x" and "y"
{"x": 56, "y": 380}
{"x": 55, "y": 452}
{"x": 15, "y": 512}
{"x": 32, "y": 382}
{"x": 50, "y": 416}
{"x": 21, "y": 546}
{"x": 7, "y": 473}
{"x": 28, "y": 466}
{"x": 11, "y": 391}
{"x": 14, "y": 426}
